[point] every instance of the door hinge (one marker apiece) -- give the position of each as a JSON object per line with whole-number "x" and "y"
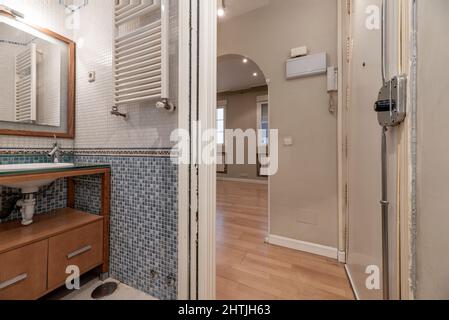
{"x": 346, "y": 195}
{"x": 348, "y": 49}
{"x": 346, "y": 147}
{"x": 348, "y": 98}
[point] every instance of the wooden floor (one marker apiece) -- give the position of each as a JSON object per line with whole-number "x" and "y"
{"x": 249, "y": 269}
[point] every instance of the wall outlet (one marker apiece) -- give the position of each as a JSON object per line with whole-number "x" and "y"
{"x": 288, "y": 141}
{"x": 91, "y": 76}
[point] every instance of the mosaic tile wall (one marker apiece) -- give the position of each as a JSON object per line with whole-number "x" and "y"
{"x": 144, "y": 210}
{"x": 48, "y": 199}
{"x": 144, "y": 224}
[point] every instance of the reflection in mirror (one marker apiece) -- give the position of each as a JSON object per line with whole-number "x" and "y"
{"x": 33, "y": 77}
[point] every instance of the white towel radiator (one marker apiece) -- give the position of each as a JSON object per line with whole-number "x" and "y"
{"x": 141, "y": 63}
{"x": 25, "y": 86}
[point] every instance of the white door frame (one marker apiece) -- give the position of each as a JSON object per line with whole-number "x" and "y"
{"x": 406, "y": 182}
{"x": 207, "y": 105}
{"x": 197, "y": 181}
{"x": 343, "y": 42}
{"x": 183, "y": 169}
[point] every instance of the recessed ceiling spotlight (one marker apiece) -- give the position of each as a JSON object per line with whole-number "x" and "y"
{"x": 255, "y": 74}
{"x": 245, "y": 60}
{"x": 221, "y": 9}
{"x": 220, "y": 12}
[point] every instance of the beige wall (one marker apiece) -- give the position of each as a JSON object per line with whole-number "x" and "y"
{"x": 433, "y": 151}
{"x": 303, "y": 196}
{"x": 241, "y": 113}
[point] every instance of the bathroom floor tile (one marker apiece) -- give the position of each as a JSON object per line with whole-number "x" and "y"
{"x": 123, "y": 292}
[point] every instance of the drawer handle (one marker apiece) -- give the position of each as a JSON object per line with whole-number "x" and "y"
{"x": 8, "y": 283}
{"x": 78, "y": 252}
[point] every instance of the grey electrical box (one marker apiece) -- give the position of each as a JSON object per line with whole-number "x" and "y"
{"x": 391, "y": 106}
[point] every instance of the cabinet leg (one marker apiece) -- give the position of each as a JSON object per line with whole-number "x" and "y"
{"x": 104, "y": 276}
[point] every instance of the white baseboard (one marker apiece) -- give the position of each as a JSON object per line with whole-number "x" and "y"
{"x": 341, "y": 256}
{"x": 304, "y": 246}
{"x": 243, "y": 180}
{"x": 351, "y": 280}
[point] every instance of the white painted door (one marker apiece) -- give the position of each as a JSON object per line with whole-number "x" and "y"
{"x": 364, "y": 169}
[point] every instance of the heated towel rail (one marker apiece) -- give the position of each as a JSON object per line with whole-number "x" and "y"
{"x": 25, "y": 85}
{"x": 141, "y": 52}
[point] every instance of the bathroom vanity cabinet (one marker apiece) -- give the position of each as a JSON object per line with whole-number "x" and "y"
{"x": 37, "y": 259}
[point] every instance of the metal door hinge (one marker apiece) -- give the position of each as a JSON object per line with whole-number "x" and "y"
{"x": 348, "y": 49}
{"x": 348, "y": 98}
{"x": 346, "y": 195}
{"x": 346, "y": 147}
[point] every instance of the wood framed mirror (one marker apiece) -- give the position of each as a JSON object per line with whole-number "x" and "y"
{"x": 37, "y": 79}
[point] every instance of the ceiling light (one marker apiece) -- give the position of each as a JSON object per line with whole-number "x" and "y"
{"x": 221, "y": 9}
{"x": 221, "y": 12}
{"x": 255, "y": 74}
{"x": 245, "y": 60}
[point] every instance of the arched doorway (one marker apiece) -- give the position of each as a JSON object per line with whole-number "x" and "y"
{"x": 242, "y": 191}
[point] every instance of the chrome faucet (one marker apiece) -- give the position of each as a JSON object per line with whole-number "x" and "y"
{"x": 55, "y": 153}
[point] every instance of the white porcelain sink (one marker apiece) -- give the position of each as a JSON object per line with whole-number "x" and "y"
{"x": 31, "y": 186}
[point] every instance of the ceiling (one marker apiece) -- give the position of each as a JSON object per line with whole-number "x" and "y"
{"x": 236, "y": 8}
{"x": 234, "y": 75}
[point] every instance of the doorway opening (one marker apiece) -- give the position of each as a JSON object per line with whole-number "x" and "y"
{"x": 242, "y": 187}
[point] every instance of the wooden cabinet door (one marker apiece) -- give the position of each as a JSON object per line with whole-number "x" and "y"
{"x": 23, "y": 272}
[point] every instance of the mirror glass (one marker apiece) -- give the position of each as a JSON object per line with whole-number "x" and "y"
{"x": 34, "y": 78}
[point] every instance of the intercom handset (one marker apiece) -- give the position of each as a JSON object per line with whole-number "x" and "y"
{"x": 391, "y": 106}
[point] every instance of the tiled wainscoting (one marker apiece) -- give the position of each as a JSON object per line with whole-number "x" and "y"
{"x": 144, "y": 213}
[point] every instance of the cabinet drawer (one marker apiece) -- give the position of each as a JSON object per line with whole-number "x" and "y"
{"x": 23, "y": 272}
{"x": 82, "y": 247}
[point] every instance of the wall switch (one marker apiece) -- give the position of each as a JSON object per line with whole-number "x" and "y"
{"x": 288, "y": 141}
{"x": 299, "y": 52}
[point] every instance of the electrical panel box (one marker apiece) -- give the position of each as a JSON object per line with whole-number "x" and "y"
{"x": 313, "y": 64}
{"x": 391, "y": 106}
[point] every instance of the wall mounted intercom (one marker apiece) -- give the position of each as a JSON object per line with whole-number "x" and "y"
{"x": 332, "y": 79}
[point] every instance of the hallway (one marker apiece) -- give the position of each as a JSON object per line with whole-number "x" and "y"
{"x": 249, "y": 269}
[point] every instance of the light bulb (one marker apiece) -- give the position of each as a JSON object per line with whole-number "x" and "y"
{"x": 221, "y": 12}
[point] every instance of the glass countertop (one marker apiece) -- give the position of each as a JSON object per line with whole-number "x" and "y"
{"x": 36, "y": 168}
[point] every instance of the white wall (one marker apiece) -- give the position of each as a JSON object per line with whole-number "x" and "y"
{"x": 303, "y": 197}
{"x": 364, "y": 155}
{"x": 433, "y": 151}
{"x": 95, "y": 127}
{"x": 7, "y": 71}
{"x": 49, "y": 88}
